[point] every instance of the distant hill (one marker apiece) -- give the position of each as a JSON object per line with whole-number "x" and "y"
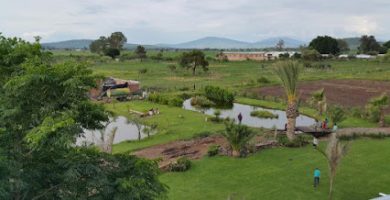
{"x": 68, "y": 44}
{"x": 202, "y": 43}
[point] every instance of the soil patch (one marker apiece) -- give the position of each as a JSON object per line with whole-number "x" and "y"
{"x": 347, "y": 93}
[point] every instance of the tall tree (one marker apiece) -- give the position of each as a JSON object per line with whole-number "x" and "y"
{"x": 387, "y": 44}
{"x": 280, "y": 45}
{"x": 288, "y": 72}
{"x": 117, "y": 40}
{"x": 343, "y": 45}
{"x": 325, "y": 45}
{"x": 43, "y": 109}
{"x": 368, "y": 44}
{"x": 99, "y": 46}
{"x": 193, "y": 60}
{"x": 140, "y": 52}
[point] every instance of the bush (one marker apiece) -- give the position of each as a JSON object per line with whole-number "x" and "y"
{"x": 299, "y": 141}
{"x": 166, "y": 100}
{"x": 263, "y": 79}
{"x": 201, "y": 101}
{"x": 213, "y": 150}
{"x": 353, "y": 136}
{"x": 264, "y": 114}
{"x": 219, "y": 96}
{"x": 182, "y": 164}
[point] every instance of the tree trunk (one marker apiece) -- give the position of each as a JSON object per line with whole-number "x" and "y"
{"x": 139, "y": 135}
{"x": 331, "y": 181}
{"x": 193, "y": 70}
{"x": 292, "y": 114}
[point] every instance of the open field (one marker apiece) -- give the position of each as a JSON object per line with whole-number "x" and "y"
{"x": 285, "y": 173}
{"x": 347, "y": 93}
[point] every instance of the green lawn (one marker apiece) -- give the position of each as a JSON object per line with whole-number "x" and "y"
{"x": 285, "y": 173}
{"x": 174, "y": 123}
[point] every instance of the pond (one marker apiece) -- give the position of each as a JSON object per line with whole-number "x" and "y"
{"x": 248, "y": 120}
{"x": 124, "y": 132}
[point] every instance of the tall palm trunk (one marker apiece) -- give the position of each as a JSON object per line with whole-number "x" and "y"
{"x": 292, "y": 114}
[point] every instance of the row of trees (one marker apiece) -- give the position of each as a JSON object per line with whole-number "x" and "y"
{"x": 329, "y": 45}
{"x": 43, "y": 109}
{"x": 109, "y": 46}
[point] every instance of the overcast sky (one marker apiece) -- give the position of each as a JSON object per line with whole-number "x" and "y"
{"x": 174, "y": 21}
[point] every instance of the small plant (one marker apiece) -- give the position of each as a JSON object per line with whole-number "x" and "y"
{"x": 337, "y": 114}
{"x": 213, "y": 150}
{"x": 298, "y": 141}
{"x": 217, "y": 113}
{"x": 180, "y": 165}
{"x": 201, "y": 101}
{"x": 264, "y": 114}
{"x": 238, "y": 137}
{"x": 218, "y": 95}
{"x": 263, "y": 80}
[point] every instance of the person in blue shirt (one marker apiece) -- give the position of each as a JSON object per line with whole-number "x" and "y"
{"x": 317, "y": 174}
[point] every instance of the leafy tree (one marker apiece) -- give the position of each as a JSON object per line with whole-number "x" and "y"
{"x": 343, "y": 45}
{"x": 380, "y": 103}
{"x": 288, "y": 72}
{"x": 99, "y": 46}
{"x": 117, "y": 40}
{"x": 387, "y": 44}
{"x": 311, "y": 54}
{"x": 112, "y": 52}
{"x": 335, "y": 151}
{"x": 325, "y": 45}
{"x": 149, "y": 129}
{"x": 238, "y": 137}
{"x": 140, "y": 52}
{"x": 280, "y": 45}
{"x": 368, "y": 44}
{"x": 138, "y": 123}
{"x": 193, "y": 60}
{"x": 43, "y": 109}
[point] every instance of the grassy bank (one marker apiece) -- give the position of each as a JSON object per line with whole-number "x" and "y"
{"x": 285, "y": 173}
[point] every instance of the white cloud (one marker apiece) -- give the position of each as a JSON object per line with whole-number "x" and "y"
{"x": 170, "y": 21}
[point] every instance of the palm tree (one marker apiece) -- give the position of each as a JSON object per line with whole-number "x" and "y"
{"x": 335, "y": 151}
{"x": 238, "y": 136}
{"x": 318, "y": 98}
{"x": 380, "y": 103}
{"x": 288, "y": 72}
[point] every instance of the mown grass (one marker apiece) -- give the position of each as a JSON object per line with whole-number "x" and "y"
{"x": 285, "y": 173}
{"x": 174, "y": 123}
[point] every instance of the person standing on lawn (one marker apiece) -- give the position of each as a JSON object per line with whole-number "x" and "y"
{"x": 317, "y": 174}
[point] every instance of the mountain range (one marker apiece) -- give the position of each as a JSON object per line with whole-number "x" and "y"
{"x": 202, "y": 43}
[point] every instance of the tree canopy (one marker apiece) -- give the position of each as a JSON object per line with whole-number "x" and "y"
{"x": 140, "y": 52}
{"x": 368, "y": 44}
{"x": 43, "y": 109}
{"x": 193, "y": 60}
{"x": 325, "y": 45}
{"x": 109, "y": 46}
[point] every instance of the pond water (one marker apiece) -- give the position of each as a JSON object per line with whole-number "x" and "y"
{"x": 248, "y": 120}
{"x": 125, "y": 132}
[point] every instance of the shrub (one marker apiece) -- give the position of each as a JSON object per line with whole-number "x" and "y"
{"x": 264, "y": 114}
{"x": 238, "y": 137}
{"x": 299, "y": 141}
{"x": 263, "y": 79}
{"x": 354, "y": 135}
{"x": 201, "y": 101}
{"x": 165, "y": 99}
{"x": 182, "y": 164}
{"x": 219, "y": 96}
{"x": 337, "y": 114}
{"x": 213, "y": 150}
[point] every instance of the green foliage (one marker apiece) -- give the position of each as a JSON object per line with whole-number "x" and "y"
{"x": 193, "y": 60}
{"x": 219, "y": 95}
{"x": 166, "y": 99}
{"x": 172, "y": 67}
{"x": 43, "y": 109}
{"x": 213, "y": 150}
{"x": 298, "y": 141}
{"x": 288, "y": 72}
{"x": 263, "y": 80}
{"x": 369, "y": 44}
{"x": 109, "y": 46}
{"x": 182, "y": 164}
{"x": 140, "y": 52}
{"x": 111, "y": 52}
{"x": 264, "y": 114}
{"x": 238, "y": 136}
{"x": 201, "y": 101}
{"x": 325, "y": 45}
{"x": 311, "y": 54}
{"x": 337, "y": 114}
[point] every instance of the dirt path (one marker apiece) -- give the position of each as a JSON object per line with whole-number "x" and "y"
{"x": 348, "y": 93}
